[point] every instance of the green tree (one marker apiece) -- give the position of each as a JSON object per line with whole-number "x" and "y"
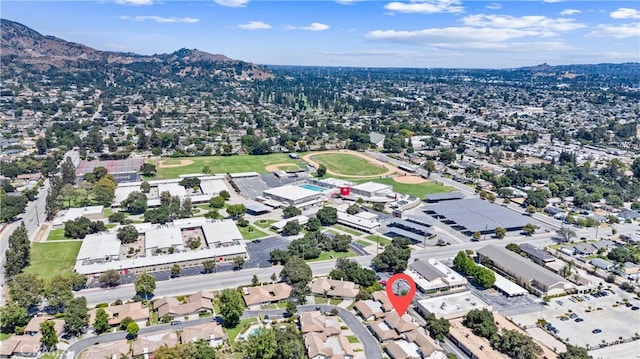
{"x": 566, "y": 234}
{"x": 175, "y": 270}
{"x": 101, "y": 323}
{"x": 529, "y": 229}
{"x": 225, "y": 194}
{"x": 76, "y": 316}
{"x": 209, "y": 266}
{"x": 575, "y": 352}
{"x": 290, "y": 343}
{"x": 49, "y": 337}
{"x": 18, "y": 252}
{"x": 145, "y": 187}
{"x": 58, "y": 291}
{"x": 291, "y": 308}
{"x": 148, "y": 170}
{"x": 395, "y": 256}
{"x": 109, "y": 278}
{"x": 135, "y": 203}
{"x": 26, "y": 290}
{"x": 438, "y": 328}
{"x": 128, "y": 234}
{"x": 430, "y": 167}
{"x": 477, "y": 235}
{"x": 378, "y": 207}
{"x": 500, "y": 232}
{"x": 481, "y": 323}
{"x": 292, "y": 228}
{"x": 313, "y": 224}
{"x": 291, "y": 211}
{"x": 238, "y": 262}
{"x": 13, "y": 316}
{"x": 231, "y": 307}
{"x": 255, "y": 281}
{"x": 327, "y": 216}
{"x": 538, "y": 198}
{"x": 216, "y": 202}
{"x": 236, "y": 210}
{"x": 517, "y": 345}
{"x": 261, "y": 344}
{"x": 321, "y": 171}
{"x": 132, "y": 330}
{"x": 12, "y": 206}
{"x": 145, "y": 284}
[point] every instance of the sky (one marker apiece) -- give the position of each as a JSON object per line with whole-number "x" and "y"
{"x": 415, "y": 33}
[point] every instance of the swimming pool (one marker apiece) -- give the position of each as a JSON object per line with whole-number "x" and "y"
{"x": 312, "y": 187}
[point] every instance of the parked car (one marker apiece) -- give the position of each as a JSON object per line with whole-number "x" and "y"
{"x": 573, "y": 316}
{"x": 596, "y": 331}
{"x": 579, "y": 320}
{"x": 176, "y": 322}
{"x": 635, "y": 307}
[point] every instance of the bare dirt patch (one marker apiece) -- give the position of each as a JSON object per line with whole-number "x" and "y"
{"x": 390, "y": 168}
{"x": 409, "y": 179}
{"x": 162, "y": 164}
{"x": 276, "y": 167}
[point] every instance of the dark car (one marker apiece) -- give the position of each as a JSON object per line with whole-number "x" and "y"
{"x": 635, "y": 307}
{"x": 628, "y": 305}
{"x": 573, "y": 316}
{"x": 596, "y": 331}
{"x": 176, "y": 322}
{"x": 578, "y": 320}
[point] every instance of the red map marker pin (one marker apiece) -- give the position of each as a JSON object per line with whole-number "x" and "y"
{"x": 401, "y": 303}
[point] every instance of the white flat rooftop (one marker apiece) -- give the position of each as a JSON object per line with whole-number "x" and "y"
{"x": 292, "y": 193}
{"x": 452, "y": 305}
{"x": 372, "y": 187}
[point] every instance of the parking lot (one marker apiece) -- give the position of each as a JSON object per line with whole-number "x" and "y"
{"x": 259, "y": 250}
{"x": 578, "y": 323}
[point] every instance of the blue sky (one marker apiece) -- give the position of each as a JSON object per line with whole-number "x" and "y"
{"x": 419, "y": 33}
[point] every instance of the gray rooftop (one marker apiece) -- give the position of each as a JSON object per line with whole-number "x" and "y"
{"x": 446, "y": 196}
{"x": 477, "y": 215}
{"x": 519, "y": 266}
{"x": 536, "y": 252}
{"x": 426, "y": 270}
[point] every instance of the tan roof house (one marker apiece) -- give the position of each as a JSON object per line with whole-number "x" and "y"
{"x": 194, "y": 304}
{"x": 315, "y": 322}
{"x": 136, "y": 311}
{"x": 369, "y": 309}
{"x": 21, "y": 345}
{"x": 212, "y": 333}
{"x": 334, "y": 288}
{"x": 146, "y": 345}
{"x": 33, "y": 327}
{"x": 107, "y": 350}
{"x": 266, "y": 294}
{"x": 321, "y": 346}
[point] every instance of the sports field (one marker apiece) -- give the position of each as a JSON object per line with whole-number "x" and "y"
{"x": 223, "y": 164}
{"x": 417, "y": 189}
{"x": 51, "y": 258}
{"x": 349, "y": 165}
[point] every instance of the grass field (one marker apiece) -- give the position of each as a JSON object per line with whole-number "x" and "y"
{"x": 363, "y": 242}
{"x": 381, "y": 240}
{"x": 325, "y": 256}
{"x": 232, "y": 333}
{"x": 226, "y": 164}
{"x": 49, "y": 259}
{"x": 349, "y": 165}
{"x": 417, "y": 190}
{"x": 265, "y": 223}
{"x": 250, "y": 233}
{"x": 57, "y": 235}
{"x": 351, "y": 231}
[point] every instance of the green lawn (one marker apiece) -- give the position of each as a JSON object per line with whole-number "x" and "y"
{"x": 325, "y": 256}
{"x": 226, "y": 164}
{"x": 107, "y": 212}
{"x": 363, "y": 242}
{"x": 56, "y": 235}
{"x": 349, "y": 165}
{"x": 265, "y": 223}
{"x": 335, "y": 301}
{"x": 353, "y": 339}
{"x": 417, "y": 190}
{"x": 5, "y": 336}
{"x": 232, "y": 333}
{"x": 351, "y": 231}
{"x": 49, "y": 259}
{"x": 381, "y": 240}
{"x": 250, "y": 233}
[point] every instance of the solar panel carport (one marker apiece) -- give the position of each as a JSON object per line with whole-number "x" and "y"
{"x": 410, "y": 226}
{"x": 399, "y": 232}
{"x": 476, "y": 215}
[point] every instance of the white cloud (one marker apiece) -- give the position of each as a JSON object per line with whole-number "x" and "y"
{"x": 135, "y": 2}
{"x": 232, "y": 3}
{"x": 315, "y": 26}
{"x": 553, "y": 1}
{"x": 346, "y": 2}
{"x": 539, "y": 23}
{"x": 394, "y": 53}
{"x": 494, "y": 6}
{"x": 160, "y": 19}
{"x": 625, "y": 13}
{"x": 569, "y": 12}
{"x": 426, "y": 6}
{"x": 254, "y": 25}
{"x": 617, "y": 32}
{"x": 451, "y": 34}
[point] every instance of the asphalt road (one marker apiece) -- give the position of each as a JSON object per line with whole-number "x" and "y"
{"x": 371, "y": 348}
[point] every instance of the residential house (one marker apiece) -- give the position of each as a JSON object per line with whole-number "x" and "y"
{"x": 266, "y": 294}
{"x": 21, "y": 346}
{"x": 33, "y": 327}
{"x": 136, "y": 311}
{"x": 115, "y": 349}
{"x": 334, "y": 288}
{"x": 212, "y": 333}
{"x": 145, "y": 346}
{"x": 322, "y": 336}
{"x": 193, "y": 305}
{"x": 585, "y": 249}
